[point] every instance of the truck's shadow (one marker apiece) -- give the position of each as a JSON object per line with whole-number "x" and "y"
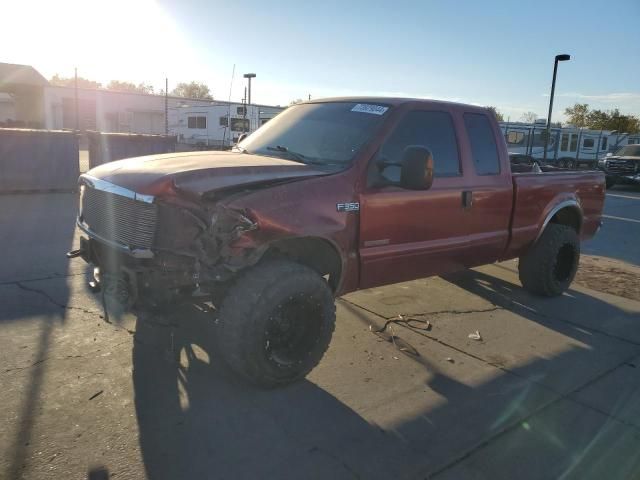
{"x": 197, "y": 421}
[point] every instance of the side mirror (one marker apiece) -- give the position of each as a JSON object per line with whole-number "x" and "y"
{"x": 417, "y": 168}
{"x": 609, "y": 154}
{"x": 242, "y": 137}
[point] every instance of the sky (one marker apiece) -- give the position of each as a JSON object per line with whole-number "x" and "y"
{"x": 497, "y": 53}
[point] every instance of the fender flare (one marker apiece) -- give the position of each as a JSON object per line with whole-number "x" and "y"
{"x": 571, "y": 203}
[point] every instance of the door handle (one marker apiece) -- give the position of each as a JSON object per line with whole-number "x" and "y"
{"x": 467, "y": 199}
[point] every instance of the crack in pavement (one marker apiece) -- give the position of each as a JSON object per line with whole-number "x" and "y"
{"x": 53, "y": 301}
{"x": 53, "y": 276}
{"x": 38, "y": 362}
{"x": 425, "y": 314}
{"x": 62, "y": 306}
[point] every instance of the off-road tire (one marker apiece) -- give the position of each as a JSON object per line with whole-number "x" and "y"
{"x": 551, "y": 264}
{"x": 246, "y": 318}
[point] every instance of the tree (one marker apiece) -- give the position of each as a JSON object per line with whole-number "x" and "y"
{"x": 577, "y": 114}
{"x": 119, "y": 86}
{"x": 497, "y": 113}
{"x": 580, "y": 116}
{"x": 70, "y": 82}
{"x": 597, "y": 120}
{"x": 192, "y": 90}
{"x": 296, "y": 101}
{"x": 529, "y": 117}
{"x": 623, "y": 123}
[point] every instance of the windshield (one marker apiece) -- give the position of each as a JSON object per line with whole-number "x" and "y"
{"x": 329, "y": 134}
{"x": 629, "y": 151}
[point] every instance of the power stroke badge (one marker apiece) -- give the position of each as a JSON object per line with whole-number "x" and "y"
{"x": 348, "y": 207}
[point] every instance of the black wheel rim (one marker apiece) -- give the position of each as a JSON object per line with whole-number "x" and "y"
{"x": 293, "y": 330}
{"x": 565, "y": 263}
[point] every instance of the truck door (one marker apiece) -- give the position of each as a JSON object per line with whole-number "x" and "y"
{"x": 407, "y": 234}
{"x": 491, "y": 195}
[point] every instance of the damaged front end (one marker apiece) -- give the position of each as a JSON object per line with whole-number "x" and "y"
{"x": 152, "y": 250}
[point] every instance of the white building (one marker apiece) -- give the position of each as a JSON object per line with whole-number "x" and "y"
{"x": 28, "y": 100}
{"x": 7, "y": 109}
{"x": 111, "y": 111}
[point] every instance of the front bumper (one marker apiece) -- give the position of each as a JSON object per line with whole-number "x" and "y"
{"x": 635, "y": 179}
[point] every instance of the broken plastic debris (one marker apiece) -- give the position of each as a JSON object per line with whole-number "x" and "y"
{"x": 475, "y": 335}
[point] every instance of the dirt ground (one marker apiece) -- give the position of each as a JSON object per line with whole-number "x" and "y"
{"x": 609, "y": 276}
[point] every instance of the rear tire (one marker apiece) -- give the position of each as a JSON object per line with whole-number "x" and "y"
{"x": 275, "y": 323}
{"x": 552, "y": 262}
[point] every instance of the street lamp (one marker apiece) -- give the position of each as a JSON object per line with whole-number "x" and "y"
{"x": 559, "y": 58}
{"x": 249, "y": 76}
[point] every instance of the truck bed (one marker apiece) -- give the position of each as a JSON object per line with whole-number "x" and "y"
{"x": 537, "y": 196}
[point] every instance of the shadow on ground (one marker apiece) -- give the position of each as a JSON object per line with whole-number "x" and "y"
{"x": 196, "y": 421}
{"x": 36, "y": 230}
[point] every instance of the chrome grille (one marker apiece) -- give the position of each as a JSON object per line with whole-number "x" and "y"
{"x": 117, "y": 218}
{"x": 622, "y": 167}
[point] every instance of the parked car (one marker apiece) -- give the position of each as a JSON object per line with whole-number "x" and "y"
{"x": 622, "y": 166}
{"x": 329, "y": 197}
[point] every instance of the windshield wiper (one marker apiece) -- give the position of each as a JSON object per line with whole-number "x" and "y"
{"x": 298, "y": 157}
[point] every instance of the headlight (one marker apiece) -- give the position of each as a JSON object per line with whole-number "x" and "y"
{"x": 603, "y": 163}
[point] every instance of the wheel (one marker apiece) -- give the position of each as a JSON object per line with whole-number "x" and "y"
{"x": 275, "y": 323}
{"x": 609, "y": 182}
{"x": 551, "y": 264}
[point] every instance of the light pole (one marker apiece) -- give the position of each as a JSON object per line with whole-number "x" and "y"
{"x": 559, "y": 58}
{"x": 249, "y": 76}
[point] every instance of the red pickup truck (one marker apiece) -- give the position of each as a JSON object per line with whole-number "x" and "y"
{"x": 329, "y": 197}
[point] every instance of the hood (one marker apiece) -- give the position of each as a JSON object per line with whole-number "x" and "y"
{"x": 621, "y": 157}
{"x": 199, "y": 172}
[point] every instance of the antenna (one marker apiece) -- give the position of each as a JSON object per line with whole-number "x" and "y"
{"x": 224, "y": 135}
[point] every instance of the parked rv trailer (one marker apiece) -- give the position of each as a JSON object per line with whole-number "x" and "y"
{"x": 218, "y": 126}
{"x": 568, "y": 147}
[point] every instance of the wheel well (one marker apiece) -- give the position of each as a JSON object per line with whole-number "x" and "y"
{"x": 568, "y": 216}
{"x": 316, "y": 253}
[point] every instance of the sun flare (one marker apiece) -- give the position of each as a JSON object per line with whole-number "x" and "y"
{"x": 129, "y": 40}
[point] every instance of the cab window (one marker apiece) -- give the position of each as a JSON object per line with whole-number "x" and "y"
{"x": 483, "y": 144}
{"x": 431, "y": 129}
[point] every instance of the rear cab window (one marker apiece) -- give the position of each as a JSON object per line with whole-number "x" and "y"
{"x": 431, "y": 129}
{"x": 483, "y": 144}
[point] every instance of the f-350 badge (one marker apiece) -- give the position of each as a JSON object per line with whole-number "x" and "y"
{"x": 348, "y": 207}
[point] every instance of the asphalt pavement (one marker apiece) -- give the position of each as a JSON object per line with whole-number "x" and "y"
{"x": 621, "y": 228}
{"x": 549, "y": 388}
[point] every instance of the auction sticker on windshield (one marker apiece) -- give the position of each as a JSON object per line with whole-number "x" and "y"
{"x": 368, "y": 108}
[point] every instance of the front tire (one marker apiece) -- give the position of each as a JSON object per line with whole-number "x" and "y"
{"x": 275, "y": 323}
{"x": 609, "y": 182}
{"x": 552, "y": 262}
